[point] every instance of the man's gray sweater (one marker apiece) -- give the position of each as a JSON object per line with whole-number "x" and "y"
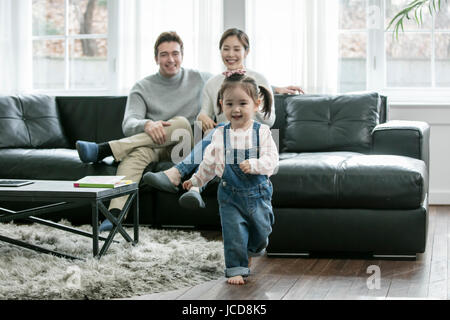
{"x": 158, "y": 98}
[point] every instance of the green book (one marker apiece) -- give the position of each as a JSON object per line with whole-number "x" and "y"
{"x": 101, "y": 182}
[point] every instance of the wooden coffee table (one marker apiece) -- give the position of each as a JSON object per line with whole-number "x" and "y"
{"x": 62, "y": 195}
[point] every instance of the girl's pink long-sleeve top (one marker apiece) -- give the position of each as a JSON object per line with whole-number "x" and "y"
{"x": 213, "y": 163}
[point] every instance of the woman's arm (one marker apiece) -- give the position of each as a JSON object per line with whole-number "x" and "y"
{"x": 288, "y": 90}
{"x": 206, "y": 114}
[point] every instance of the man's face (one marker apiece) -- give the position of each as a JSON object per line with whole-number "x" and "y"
{"x": 169, "y": 58}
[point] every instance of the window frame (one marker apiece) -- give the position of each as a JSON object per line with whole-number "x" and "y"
{"x": 377, "y": 60}
{"x": 112, "y": 8}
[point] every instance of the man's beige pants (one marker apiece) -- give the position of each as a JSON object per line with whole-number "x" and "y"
{"x": 135, "y": 153}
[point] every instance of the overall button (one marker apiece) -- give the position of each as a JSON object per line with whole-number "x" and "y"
{"x": 224, "y": 183}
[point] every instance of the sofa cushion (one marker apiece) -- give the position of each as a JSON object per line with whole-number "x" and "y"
{"x": 30, "y": 121}
{"x": 96, "y": 119}
{"x": 331, "y": 123}
{"x": 349, "y": 180}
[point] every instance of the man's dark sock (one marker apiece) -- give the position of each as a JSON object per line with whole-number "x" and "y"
{"x": 107, "y": 225}
{"x": 104, "y": 150}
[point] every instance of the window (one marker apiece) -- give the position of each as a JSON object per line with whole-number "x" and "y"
{"x": 353, "y": 37}
{"x": 105, "y": 46}
{"x": 370, "y": 57}
{"x": 412, "y": 59}
{"x": 199, "y": 23}
{"x": 294, "y": 42}
{"x": 70, "y": 44}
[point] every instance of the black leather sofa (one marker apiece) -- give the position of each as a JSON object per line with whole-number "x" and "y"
{"x": 348, "y": 181}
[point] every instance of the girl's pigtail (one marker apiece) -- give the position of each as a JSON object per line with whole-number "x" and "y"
{"x": 267, "y": 98}
{"x": 219, "y": 97}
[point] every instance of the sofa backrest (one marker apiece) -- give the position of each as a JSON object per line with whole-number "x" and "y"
{"x": 97, "y": 119}
{"x": 30, "y": 121}
{"x": 310, "y": 123}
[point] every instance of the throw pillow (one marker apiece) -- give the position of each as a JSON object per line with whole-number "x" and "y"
{"x": 30, "y": 121}
{"x": 331, "y": 123}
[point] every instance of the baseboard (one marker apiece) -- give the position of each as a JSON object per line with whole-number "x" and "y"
{"x": 440, "y": 197}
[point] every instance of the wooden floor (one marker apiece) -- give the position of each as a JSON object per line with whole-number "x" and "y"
{"x": 428, "y": 277}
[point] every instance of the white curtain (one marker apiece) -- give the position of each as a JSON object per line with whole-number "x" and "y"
{"x": 198, "y": 22}
{"x": 295, "y": 42}
{"x": 15, "y": 46}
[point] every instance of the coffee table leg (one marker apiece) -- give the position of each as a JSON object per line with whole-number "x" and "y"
{"x": 94, "y": 206}
{"x": 136, "y": 218}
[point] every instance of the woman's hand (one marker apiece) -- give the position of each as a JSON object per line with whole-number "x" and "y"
{"x": 207, "y": 122}
{"x": 245, "y": 166}
{"x": 155, "y": 129}
{"x": 187, "y": 185}
{"x": 289, "y": 90}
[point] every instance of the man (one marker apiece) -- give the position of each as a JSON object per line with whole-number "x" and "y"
{"x": 157, "y": 106}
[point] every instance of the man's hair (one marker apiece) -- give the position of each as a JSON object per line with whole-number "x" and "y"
{"x": 170, "y": 36}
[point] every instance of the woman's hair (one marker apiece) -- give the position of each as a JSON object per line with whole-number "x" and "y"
{"x": 241, "y": 35}
{"x": 248, "y": 84}
{"x": 170, "y": 36}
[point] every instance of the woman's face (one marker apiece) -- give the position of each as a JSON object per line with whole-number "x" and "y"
{"x": 233, "y": 53}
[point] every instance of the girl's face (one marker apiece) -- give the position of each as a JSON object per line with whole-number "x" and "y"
{"x": 233, "y": 53}
{"x": 238, "y": 107}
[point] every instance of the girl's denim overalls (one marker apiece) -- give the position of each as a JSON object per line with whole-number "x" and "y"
{"x": 245, "y": 207}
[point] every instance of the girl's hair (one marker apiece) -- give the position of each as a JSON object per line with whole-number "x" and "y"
{"x": 248, "y": 84}
{"x": 241, "y": 35}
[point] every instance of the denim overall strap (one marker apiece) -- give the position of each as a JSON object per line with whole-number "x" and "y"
{"x": 233, "y": 174}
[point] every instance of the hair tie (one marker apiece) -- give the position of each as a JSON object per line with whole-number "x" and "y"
{"x": 229, "y": 73}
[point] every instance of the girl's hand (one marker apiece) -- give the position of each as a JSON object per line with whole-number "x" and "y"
{"x": 207, "y": 122}
{"x": 187, "y": 185}
{"x": 245, "y": 166}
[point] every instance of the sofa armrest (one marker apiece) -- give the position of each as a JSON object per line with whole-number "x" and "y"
{"x": 404, "y": 138}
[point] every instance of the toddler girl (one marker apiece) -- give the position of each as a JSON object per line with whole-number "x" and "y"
{"x": 243, "y": 154}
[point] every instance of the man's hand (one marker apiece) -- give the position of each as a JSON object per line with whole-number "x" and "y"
{"x": 245, "y": 166}
{"x": 207, "y": 122}
{"x": 155, "y": 129}
{"x": 289, "y": 90}
{"x": 187, "y": 185}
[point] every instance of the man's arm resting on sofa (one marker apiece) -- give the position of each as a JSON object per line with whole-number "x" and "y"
{"x": 404, "y": 138}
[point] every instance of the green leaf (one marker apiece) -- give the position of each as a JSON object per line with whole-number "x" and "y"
{"x": 416, "y": 6}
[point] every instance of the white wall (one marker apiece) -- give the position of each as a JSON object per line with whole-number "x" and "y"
{"x": 234, "y": 14}
{"x": 438, "y": 117}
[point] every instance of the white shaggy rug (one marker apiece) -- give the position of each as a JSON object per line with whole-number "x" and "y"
{"x": 163, "y": 260}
